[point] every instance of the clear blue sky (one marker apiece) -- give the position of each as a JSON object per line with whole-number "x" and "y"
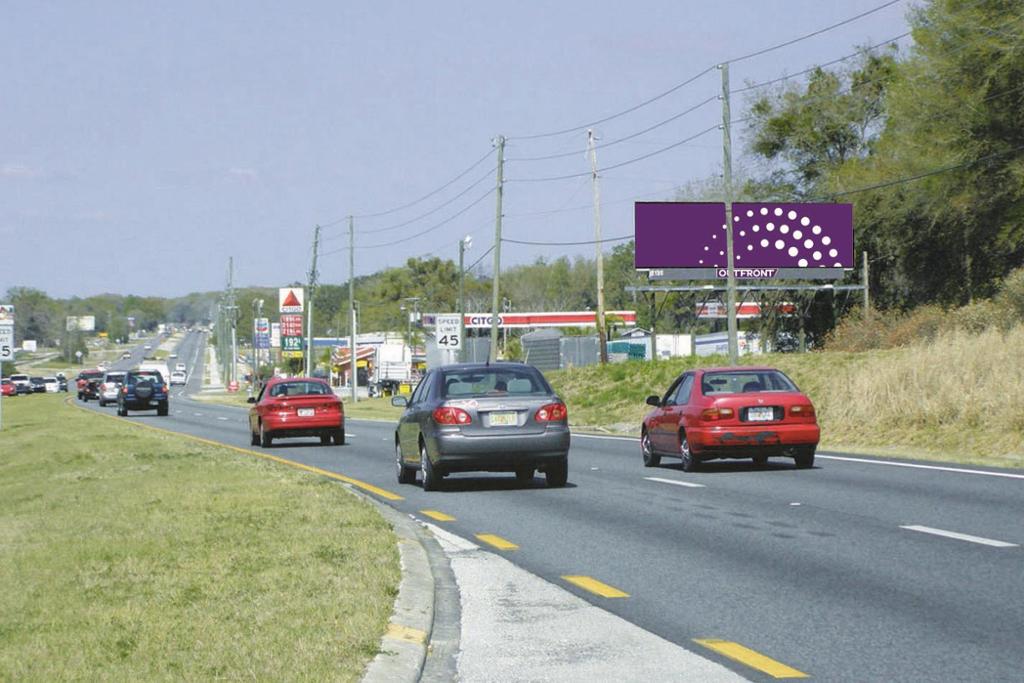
{"x": 184, "y": 133}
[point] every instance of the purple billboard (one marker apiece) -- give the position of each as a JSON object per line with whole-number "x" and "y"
{"x": 692, "y": 235}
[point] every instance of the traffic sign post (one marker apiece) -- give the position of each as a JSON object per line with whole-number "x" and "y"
{"x": 6, "y": 343}
{"x": 447, "y": 334}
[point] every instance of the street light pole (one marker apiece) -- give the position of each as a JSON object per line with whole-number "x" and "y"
{"x": 464, "y": 244}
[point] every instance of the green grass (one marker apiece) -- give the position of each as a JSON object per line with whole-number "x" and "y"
{"x": 378, "y": 408}
{"x": 956, "y": 399}
{"x": 126, "y": 554}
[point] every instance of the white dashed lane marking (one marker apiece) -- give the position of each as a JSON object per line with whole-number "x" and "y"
{"x": 675, "y": 482}
{"x": 958, "y": 536}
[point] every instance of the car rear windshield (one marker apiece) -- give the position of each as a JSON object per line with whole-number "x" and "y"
{"x": 492, "y": 381}
{"x": 300, "y": 389}
{"x": 114, "y": 377}
{"x": 718, "y": 383}
{"x": 146, "y": 376}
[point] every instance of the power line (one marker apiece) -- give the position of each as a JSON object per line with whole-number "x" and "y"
{"x": 482, "y": 256}
{"x": 672, "y": 118}
{"x": 812, "y": 34}
{"x": 618, "y": 165}
{"x": 413, "y": 202}
{"x": 706, "y": 71}
{"x": 568, "y": 244}
{"x": 434, "y": 210}
{"x": 808, "y": 70}
{"x": 926, "y": 174}
{"x": 469, "y": 206}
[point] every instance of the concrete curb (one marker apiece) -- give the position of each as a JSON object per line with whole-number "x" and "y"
{"x": 403, "y": 648}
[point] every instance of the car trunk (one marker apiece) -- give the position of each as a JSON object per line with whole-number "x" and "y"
{"x": 320, "y": 405}
{"x": 497, "y": 414}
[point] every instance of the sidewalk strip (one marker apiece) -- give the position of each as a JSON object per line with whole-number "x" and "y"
{"x": 958, "y": 536}
{"x": 439, "y": 516}
{"x": 383, "y": 493}
{"x": 497, "y": 541}
{"x": 596, "y": 587}
{"x": 751, "y": 658}
{"x": 676, "y": 482}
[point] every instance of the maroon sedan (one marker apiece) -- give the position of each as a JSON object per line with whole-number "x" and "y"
{"x": 739, "y": 412}
{"x": 296, "y": 406}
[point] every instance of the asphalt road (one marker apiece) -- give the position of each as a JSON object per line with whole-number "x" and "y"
{"x": 845, "y": 572}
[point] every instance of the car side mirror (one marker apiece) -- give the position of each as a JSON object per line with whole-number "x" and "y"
{"x": 654, "y": 401}
{"x": 399, "y": 401}
{"x": 251, "y": 399}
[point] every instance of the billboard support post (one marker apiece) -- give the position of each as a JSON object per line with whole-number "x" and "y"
{"x": 727, "y": 178}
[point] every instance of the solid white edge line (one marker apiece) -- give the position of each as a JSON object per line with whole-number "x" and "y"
{"x": 958, "y": 470}
{"x": 676, "y": 482}
{"x": 958, "y": 536}
{"x": 939, "y": 468}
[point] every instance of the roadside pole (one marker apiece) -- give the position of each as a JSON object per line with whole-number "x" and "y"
{"x": 352, "y": 306}
{"x": 602, "y": 332}
{"x": 312, "y": 288}
{"x": 495, "y": 299}
{"x": 6, "y": 345}
{"x": 727, "y": 178}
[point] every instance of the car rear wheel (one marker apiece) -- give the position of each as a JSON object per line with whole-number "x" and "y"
{"x": 427, "y": 473}
{"x": 804, "y": 458}
{"x": 161, "y": 409}
{"x": 325, "y": 439}
{"x": 690, "y": 461}
{"x": 557, "y": 474}
{"x": 266, "y": 440}
{"x": 122, "y": 411}
{"x": 406, "y": 475}
{"x": 339, "y": 437}
{"x": 651, "y": 459}
{"x": 760, "y": 460}
{"x": 254, "y": 439}
{"x": 524, "y": 475}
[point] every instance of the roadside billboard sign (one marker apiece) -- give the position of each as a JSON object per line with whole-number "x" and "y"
{"x": 6, "y": 314}
{"x": 80, "y": 323}
{"x": 291, "y": 343}
{"x": 261, "y": 335}
{"x": 769, "y": 239}
{"x": 447, "y": 332}
{"x": 291, "y": 325}
{"x": 291, "y": 299}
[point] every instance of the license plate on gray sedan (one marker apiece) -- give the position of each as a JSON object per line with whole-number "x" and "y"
{"x": 760, "y": 414}
{"x": 503, "y": 419}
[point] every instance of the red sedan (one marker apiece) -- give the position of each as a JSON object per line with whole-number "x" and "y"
{"x": 7, "y": 387}
{"x": 296, "y": 406}
{"x": 740, "y": 412}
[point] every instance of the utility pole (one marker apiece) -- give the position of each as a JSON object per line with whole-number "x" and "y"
{"x": 312, "y": 286}
{"x": 464, "y": 244}
{"x": 353, "y": 380}
{"x": 727, "y": 178}
{"x": 232, "y": 368}
{"x": 495, "y": 299}
{"x": 864, "y": 277}
{"x": 602, "y": 334}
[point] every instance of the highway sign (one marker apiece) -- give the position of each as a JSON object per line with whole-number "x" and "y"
{"x": 291, "y": 325}
{"x": 6, "y": 314}
{"x": 291, "y": 299}
{"x": 448, "y": 331}
{"x": 6, "y": 342}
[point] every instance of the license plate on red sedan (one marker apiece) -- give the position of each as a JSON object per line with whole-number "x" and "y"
{"x": 306, "y": 412}
{"x": 503, "y": 419}
{"x": 760, "y": 414}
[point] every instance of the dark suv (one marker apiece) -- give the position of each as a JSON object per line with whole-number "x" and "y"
{"x": 142, "y": 390}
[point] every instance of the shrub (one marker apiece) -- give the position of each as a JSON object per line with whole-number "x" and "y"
{"x": 855, "y": 332}
{"x": 1011, "y": 296}
{"x": 922, "y": 324}
{"x": 979, "y": 316}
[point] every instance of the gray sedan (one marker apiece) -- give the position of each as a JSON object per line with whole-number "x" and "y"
{"x": 501, "y": 417}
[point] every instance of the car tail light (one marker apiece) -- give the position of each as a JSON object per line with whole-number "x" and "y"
{"x": 715, "y": 414}
{"x": 552, "y": 412}
{"x": 806, "y": 410}
{"x": 451, "y": 416}
{"x": 124, "y": 389}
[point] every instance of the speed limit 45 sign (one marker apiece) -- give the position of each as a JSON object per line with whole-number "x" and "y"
{"x": 448, "y": 331}
{"x": 6, "y": 342}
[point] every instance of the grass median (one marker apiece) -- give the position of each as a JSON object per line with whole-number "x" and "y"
{"x": 131, "y": 555}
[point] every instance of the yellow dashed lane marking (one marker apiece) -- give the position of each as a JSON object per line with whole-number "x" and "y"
{"x": 751, "y": 658}
{"x": 383, "y": 493}
{"x": 406, "y": 633}
{"x": 597, "y": 587}
{"x": 439, "y": 516}
{"x": 497, "y": 541}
